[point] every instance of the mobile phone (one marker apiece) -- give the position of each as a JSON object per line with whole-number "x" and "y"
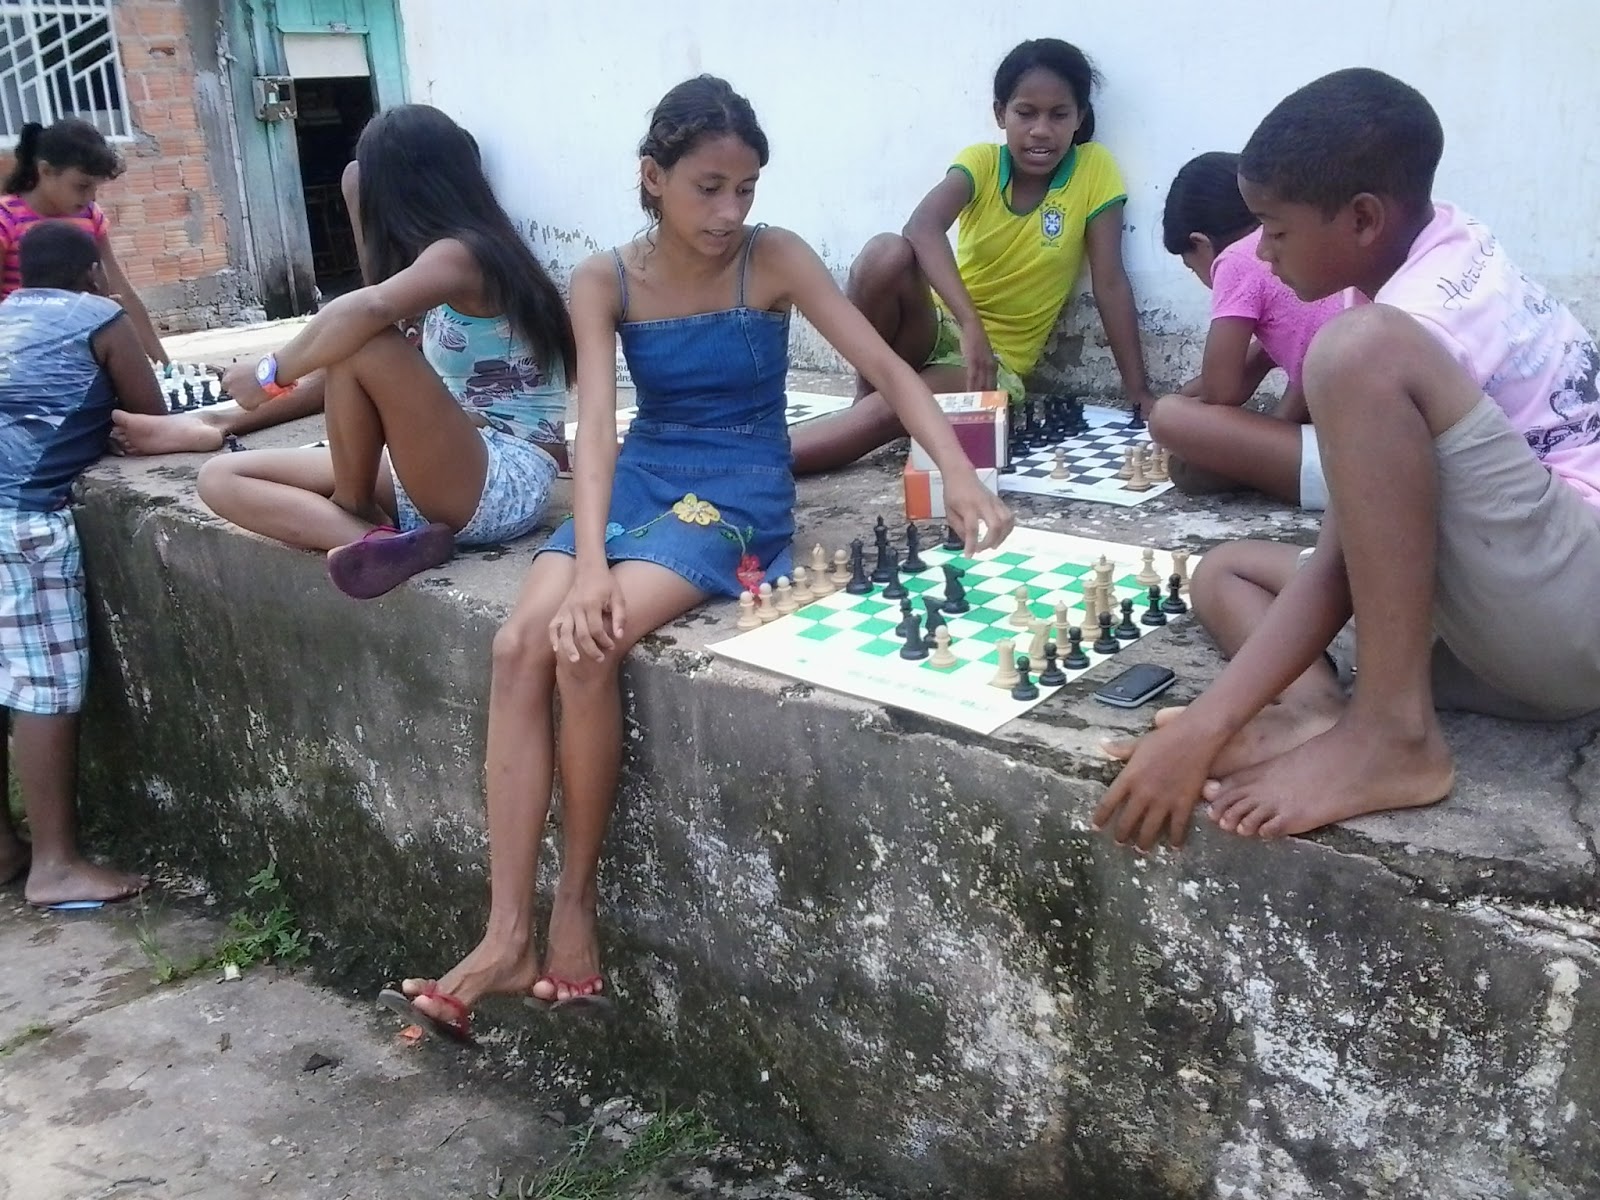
{"x": 1136, "y": 686}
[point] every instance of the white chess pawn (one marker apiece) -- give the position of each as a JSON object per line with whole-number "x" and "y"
{"x": 802, "y": 587}
{"x": 767, "y": 611}
{"x": 1059, "y": 471}
{"x": 841, "y": 568}
{"x": 747, "y": 612}
{"x": 1023, "y": 614}
{"x": 943, "y": 656}
{"x": 1147, "y": 572}
{"x": 821, "y": 585}
{"x": 786, "y": 602}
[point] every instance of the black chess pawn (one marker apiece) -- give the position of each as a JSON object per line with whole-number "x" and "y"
{"x": 952, "y": 541}
{"x": 934, "y": 619}
{"x": 1076, "y": 659}
{"x": 893, "y": 589}
{"x": 913, "y": 649}
{"x": 1052, "y": 675}
{"x": 1107, "y": 642}
{"x": 1153, "y": 615}
{"x": 859, "y": 584}
{"x": 1135, "y": 421}
{"x": 1127, "y": 631}
{"x": 913, "y": 561}
{"x": 955, "y": 593}
{"x": 1174, "y": 601}
{"x": 905, "y": 617}
{"x": 1025, "y": 688}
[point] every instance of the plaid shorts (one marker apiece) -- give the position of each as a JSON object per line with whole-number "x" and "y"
{"x": 44, "y": 617}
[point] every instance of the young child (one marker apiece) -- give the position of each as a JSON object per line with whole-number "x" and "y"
{"x": 1257, "y": 323}
{"x": 1457, "y": 412}
{"x": 68, "y": 357}
{"x": 699, "y": 502}
{"x": 56, "y": 174}
{"x": 457, "y": 444}
{"x": 1030, "y": 211}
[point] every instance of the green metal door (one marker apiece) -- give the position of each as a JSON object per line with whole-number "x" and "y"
{"x": 376, "y": 20}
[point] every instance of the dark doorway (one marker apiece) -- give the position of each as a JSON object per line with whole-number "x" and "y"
{"x": 332, "y": 114}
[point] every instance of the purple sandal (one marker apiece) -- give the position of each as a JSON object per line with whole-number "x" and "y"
{"x": 384, "y": 559}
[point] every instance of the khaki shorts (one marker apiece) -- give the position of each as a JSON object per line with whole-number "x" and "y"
{"x": 1515, "y": 605}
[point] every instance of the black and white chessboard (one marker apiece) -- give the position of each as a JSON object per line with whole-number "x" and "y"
{"x": 1093, "y": 460}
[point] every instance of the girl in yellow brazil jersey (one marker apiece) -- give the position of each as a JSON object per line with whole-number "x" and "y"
{"x": 1030, "y": 211}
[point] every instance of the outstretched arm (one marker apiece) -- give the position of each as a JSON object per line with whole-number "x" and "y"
{"x": 806, "y": 283}
{"x": 129, "y": 299}
{"x": 1113, "y": 296}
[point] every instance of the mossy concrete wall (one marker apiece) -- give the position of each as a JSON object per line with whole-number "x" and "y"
{"x": 869, "y": 937}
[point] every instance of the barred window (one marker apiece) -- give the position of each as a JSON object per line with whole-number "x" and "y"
{"x": 58, "y": 58}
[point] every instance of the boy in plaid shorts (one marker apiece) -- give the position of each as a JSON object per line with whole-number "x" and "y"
{"x": 69, "y": 355}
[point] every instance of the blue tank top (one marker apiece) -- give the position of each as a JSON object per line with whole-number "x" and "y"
{"x": 55, "y": 398}
{"x": 493, "y": 375}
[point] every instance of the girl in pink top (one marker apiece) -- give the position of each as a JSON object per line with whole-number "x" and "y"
{"x": 1257, "y": 323}
{"x": 57, "y": 172}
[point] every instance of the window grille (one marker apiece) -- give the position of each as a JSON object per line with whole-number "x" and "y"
{"x": 58, "y": 58}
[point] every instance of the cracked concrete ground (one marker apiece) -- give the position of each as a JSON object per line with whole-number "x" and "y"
{"x": 113, "y": 1087}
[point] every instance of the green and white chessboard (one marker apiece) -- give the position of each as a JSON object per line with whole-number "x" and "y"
{"x": 848, "y": 643}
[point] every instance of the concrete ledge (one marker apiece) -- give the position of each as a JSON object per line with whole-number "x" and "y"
{"x": 863, "y": 936}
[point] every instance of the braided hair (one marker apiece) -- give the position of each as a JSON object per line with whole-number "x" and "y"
{"x": 64, "y": 145}
{"x": 697, "y": 109}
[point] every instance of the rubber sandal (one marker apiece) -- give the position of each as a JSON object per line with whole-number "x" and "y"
{"x": 586, "y": 994}
{"x": 457, "y": 1029}
{"x": 377, "y": 564}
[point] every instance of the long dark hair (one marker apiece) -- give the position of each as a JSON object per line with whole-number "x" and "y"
{"x": 1061, "y": 59}
{"x": 694, "y": 110}
{"x": 1204, "y": 198}
{"x": 421, "y": 181}
{"x": 65, "y": 144}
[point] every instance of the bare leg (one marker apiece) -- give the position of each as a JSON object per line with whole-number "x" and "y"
{"x": 1216, "y": 445}
{"x": 47, "y": 771}
{"x": 203, "y": 432}
{"x": 591, "y": 755}
{"x": 889, "y": 288}
{"x": 285, "y": 494}
{"x": 1381, "y": 391}
{"x": 520, "y": 776}
{"x": 1232, "y": 589}
{"x": 13, "y": 850}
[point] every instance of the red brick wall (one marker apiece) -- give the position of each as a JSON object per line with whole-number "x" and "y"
{"x": 166, "y": 214}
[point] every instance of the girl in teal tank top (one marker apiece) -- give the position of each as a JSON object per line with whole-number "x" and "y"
{"x": 456, "y": 445}
{"x": 699, "y": 502}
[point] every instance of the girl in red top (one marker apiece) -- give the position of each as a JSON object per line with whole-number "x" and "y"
{"x": 56, "y": 175}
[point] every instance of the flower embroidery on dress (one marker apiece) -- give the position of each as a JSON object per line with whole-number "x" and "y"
{"x": 692, "y": 510}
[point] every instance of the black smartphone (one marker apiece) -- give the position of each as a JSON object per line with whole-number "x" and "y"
{"x": 1136, "y": 686}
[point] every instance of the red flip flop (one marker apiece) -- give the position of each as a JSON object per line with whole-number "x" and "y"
{"x": 457, "y": 1029}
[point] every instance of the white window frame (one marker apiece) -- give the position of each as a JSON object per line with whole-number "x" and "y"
{"x": 29, "y": 92}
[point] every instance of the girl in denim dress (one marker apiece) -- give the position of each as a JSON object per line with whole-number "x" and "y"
{"x": 698, "y": 502}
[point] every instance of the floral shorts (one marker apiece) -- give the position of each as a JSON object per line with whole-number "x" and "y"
{"x": 516, "y": 487}
{"x": 946, "y": 352}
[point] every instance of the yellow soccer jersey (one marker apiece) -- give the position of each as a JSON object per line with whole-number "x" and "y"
{"x": 1019, "y": 268}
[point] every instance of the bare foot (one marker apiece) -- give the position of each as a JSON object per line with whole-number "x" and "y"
{"x": 492, "y": 969}
{"x": 179, "y": 433}
{"x": 574, "y": 953}
{"x": 79, "y": 879}
{"x": 1355, "y": 768}
{"x": 1275, "y": 730}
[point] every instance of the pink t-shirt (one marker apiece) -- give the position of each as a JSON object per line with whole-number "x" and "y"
{"x": 16, "y": 216}
{"x": 1244, "y": 286}
{"x": 1525, "y": 349}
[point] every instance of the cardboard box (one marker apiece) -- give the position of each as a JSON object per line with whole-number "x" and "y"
{"x": 925, "y": 491}
{"x": 982, "y": 426}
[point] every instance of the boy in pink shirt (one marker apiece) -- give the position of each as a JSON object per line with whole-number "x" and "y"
{"x": 1459, "y": 420}
{"x": 1257, "y": 323}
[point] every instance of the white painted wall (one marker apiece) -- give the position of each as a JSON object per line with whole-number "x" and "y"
{"x": 865, "y": 103}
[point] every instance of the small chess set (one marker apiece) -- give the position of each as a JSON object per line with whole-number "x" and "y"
{"x": 1062, "y": 447}
{"x": 974, "y": 642}
{"x": 189, "y": 387}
